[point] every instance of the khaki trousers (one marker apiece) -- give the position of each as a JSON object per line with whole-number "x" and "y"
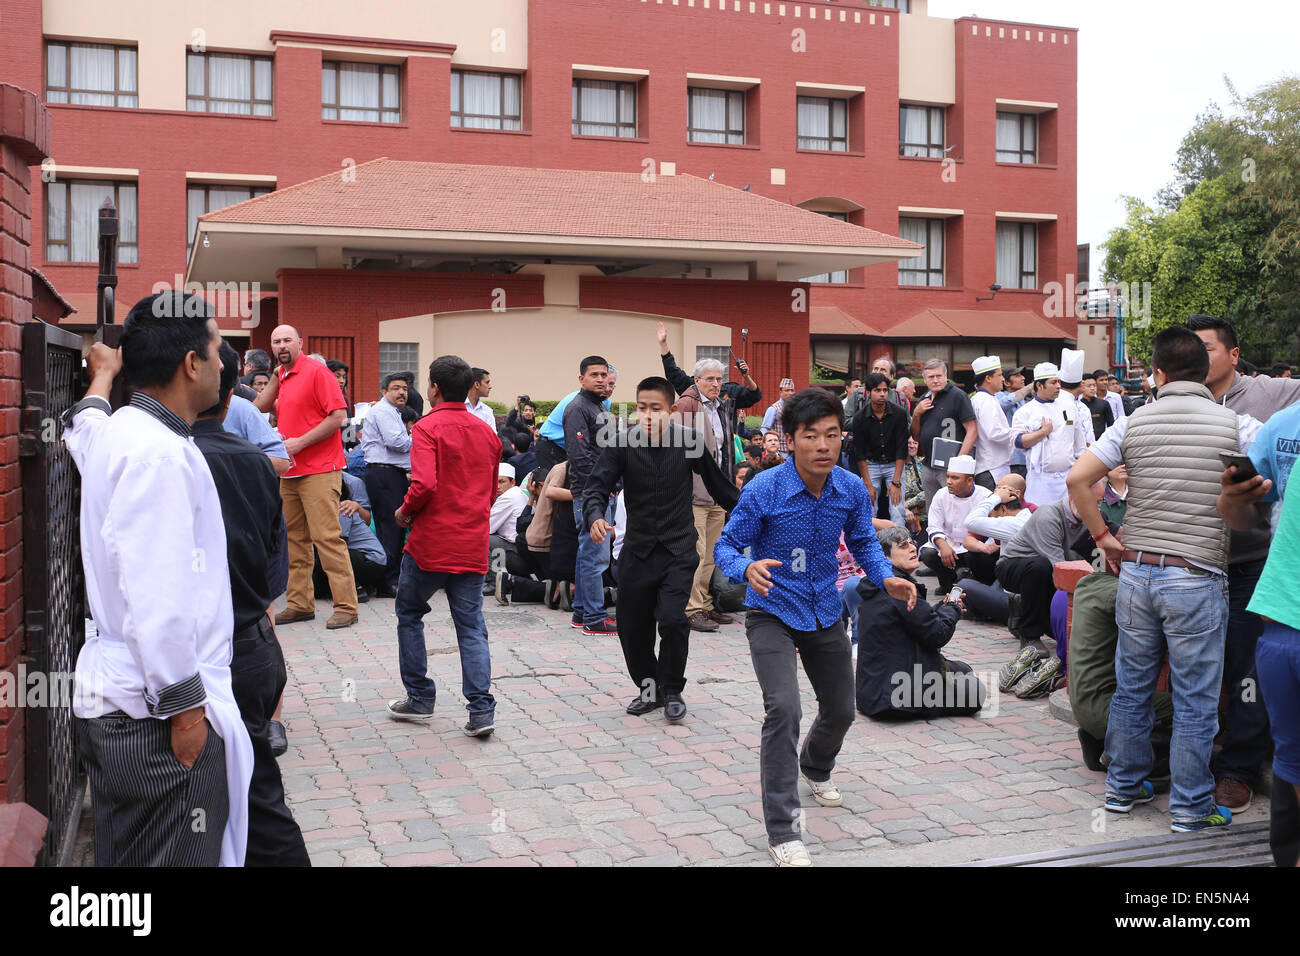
{"x": 708, "y": 527}
{"x": 311, "y": 514}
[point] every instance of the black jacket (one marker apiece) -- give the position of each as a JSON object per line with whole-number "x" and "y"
{"x": 893, "y": 641}
{"x": 584, "y": 417}
{"x": 740, "y": 396}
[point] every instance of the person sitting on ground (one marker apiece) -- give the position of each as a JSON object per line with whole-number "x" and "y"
{"x": 510, "y": 503}
{"x": 522, "y": 580}
{"x": 914, "y": 491}
{"x": 364, "y": 550}
{"x": 524, "y": 460}
{"x": 949, "y": 548}
{"x": 999, "y": 517}
{"x": 900, "y": 673}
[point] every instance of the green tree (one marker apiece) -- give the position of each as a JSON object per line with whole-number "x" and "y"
{"x": 1224, "y": 238}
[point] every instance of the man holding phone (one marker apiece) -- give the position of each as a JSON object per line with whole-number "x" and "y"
{"x": 945, "y": 412}
{"x": 1173, "y": 587}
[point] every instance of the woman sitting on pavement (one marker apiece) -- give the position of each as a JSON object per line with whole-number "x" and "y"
{"x": 900, "y": 673}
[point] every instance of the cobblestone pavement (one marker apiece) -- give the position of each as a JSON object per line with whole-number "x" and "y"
{"x": 570, "y": 779}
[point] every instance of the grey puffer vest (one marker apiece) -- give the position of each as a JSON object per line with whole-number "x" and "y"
{"x": 1171, "y": 450}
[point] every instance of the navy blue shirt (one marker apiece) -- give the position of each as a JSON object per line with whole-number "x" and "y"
{"x": 778, "y": 517}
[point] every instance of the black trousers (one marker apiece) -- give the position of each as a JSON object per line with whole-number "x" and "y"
{"x": 1031, "y": 578}
{"x": 146, "y": 804}
{"x": 258, "y": 677}
{"x": 981, "y": 567}
{"x": 548, "y": 453}
{"x": 365, "y": 572}
{"x": 650, "y": 589}
{"x": 386, "y": 485}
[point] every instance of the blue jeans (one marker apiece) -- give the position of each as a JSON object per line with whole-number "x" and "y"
{"x": 851, "y": 601}
{"x": 465, "y": 598}
{"x": 588, "y": 576}
{"x": 885, "y": 470}
{"x": 1187, "y": 612}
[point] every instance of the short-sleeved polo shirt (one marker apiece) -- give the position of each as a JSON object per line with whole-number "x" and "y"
{"x": 309, "y": 392}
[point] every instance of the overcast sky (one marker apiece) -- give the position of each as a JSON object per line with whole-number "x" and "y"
{"x": 1146, "y": 69}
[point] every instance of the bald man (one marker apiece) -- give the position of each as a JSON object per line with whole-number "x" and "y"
{"x": 310, "y": 410}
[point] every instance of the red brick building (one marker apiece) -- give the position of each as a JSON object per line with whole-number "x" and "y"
{"x": 960, "y": 133}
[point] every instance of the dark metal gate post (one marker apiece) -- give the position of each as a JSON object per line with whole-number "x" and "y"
{"x": 54, "y": 595}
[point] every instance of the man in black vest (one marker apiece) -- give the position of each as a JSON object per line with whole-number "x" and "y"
{"x": 655, "y": 458}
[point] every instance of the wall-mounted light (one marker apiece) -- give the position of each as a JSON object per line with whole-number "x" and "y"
{"x": 206, "y": 243}
{"x": 995, "y": 289}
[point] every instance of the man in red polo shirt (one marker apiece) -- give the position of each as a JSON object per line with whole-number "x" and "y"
{"x": 310, "y": 410}
{"x": 453, "y": 484}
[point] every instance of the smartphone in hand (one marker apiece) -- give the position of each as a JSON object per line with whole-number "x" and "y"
{"x": 1245, "y": 467}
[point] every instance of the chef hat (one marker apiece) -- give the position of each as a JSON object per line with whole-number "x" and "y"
{"x": 986, "y": 363}
{"x": 1045, "y": 370}
{"x": 506, "y": 470}
{"x": 961, "y": 465}
{"x": 1072, "y": 366}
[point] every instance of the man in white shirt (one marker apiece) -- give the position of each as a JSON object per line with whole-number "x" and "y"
{"x": 162, "y": 739}
{"x": 510, "y": 504}
{"x": 386, "y": 446}
{"x": 947, "y": 551}
{"x": 1113, "y": 399}
{"x": 480, "y": 390}
{"x": 1052, "y": 434}
{"x": 993, "y": 440}
{"x": 1072, "y": 383}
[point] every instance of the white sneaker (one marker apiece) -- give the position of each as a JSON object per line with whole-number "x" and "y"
{"x": 790, "y": 854}
{"x": 824, "y": 792}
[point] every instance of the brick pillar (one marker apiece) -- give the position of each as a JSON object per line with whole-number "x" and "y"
{"x": 24, "y": 142}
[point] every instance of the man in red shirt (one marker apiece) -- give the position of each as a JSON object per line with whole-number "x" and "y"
{"x": 310, "y": 410}
{"x": 453, "y": 484}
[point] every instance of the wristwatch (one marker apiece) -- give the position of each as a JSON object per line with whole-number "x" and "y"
{"x": 894, "y": 484}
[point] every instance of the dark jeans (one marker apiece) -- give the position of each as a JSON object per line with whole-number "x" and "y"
{"x": 386, "y": 485}
{"x": 366, "y": 573}
{"x": 1245, "y": 720}
{"x": 258, "y": 678}
{"x": 981, "y": 566}
{"x": 650, "y": 589}
{"x": 1031, "y": 578}
{"x": 465, "y": 599}
{"x": 774, "y": 648}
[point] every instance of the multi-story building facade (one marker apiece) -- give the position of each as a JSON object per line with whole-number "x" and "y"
{"x": 959, "y": 135}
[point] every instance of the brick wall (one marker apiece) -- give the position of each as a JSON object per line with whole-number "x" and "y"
{"x": 24, "y": 141}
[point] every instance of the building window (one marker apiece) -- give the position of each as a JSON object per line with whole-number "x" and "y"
{"x": 72, "y": 220}
{"x": 823, "y": 123}
{"x": 920, "y": 131}
{"x": 604, "y": 108}
{"x": 715, "y": 116}
{"x": 398, "y": 357}
{"x": 228, "y": 83}
{"x": 90, "y": 74}
{"x": 902, "y": 6}
{"x": 201, "y": 199}
{"x": 361, "y": 92}
{"x": 840, "y": 276}
{"x": 719, "y": 353}
{"x": 486, "y": 100}
{"x": 927, "y": 268}
{"x": 1017, "y": 255}
{"x": 1017, "y": 138}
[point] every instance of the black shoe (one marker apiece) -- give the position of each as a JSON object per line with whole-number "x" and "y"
{"x": 1093, "y": 750}
{"x": 674, "y": 708}
{"x": 278, "y": 738}
{"x": 1014, "y": 616}
{"x": 363, "y": 595}
{"x": 640, "y": 707}
{"x": 385, "y": 592}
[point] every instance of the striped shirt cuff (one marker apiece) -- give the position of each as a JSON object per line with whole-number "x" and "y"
{"x": 178, "y": 697}
{"x": 90, "y": 401}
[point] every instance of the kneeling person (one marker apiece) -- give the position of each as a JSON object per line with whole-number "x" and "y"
{"x": 656, "y": 459}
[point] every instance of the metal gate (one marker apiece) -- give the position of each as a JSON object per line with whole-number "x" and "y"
{"x": 54, "y": 594}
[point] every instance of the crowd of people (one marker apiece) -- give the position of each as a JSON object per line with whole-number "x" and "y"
{"x": 221, "y": 487}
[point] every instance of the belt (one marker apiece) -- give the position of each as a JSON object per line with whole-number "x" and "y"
{"x": 1151, "y": 557}
{"x": 384, "y": 464}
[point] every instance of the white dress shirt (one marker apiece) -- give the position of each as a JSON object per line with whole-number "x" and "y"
{"x": 154, "y": 550}
{"x": 483, "y": 413}
{"x": 506, "y": 511}
{"x": 384, "y": 439}
{"x": 999, "y": 529}
{"x": 993, "y": 441}
{"x": 1116, "y": 403}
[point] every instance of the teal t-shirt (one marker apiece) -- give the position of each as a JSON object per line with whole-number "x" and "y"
{"x": 1273, "y": 453}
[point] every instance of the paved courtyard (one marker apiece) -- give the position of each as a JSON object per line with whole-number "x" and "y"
{"x": 570, "y": 779}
